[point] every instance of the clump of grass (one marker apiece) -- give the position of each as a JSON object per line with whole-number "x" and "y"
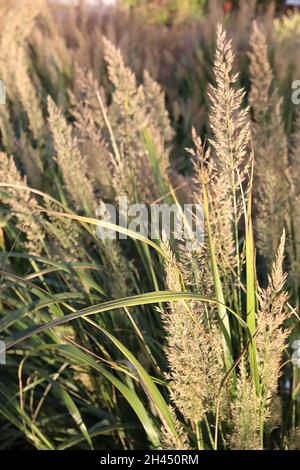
{"x": 200, "y": 371}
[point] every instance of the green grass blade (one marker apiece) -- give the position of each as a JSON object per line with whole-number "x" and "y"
{"x": 251, "y": 292}
{"x": 132, "y": 301}
{"x": 65, "y": 397}
{"x": 149, "y": 384}
{"x": 74, "y": 353}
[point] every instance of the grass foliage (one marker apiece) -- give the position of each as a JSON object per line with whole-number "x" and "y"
{"x": 141, "y": 343}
